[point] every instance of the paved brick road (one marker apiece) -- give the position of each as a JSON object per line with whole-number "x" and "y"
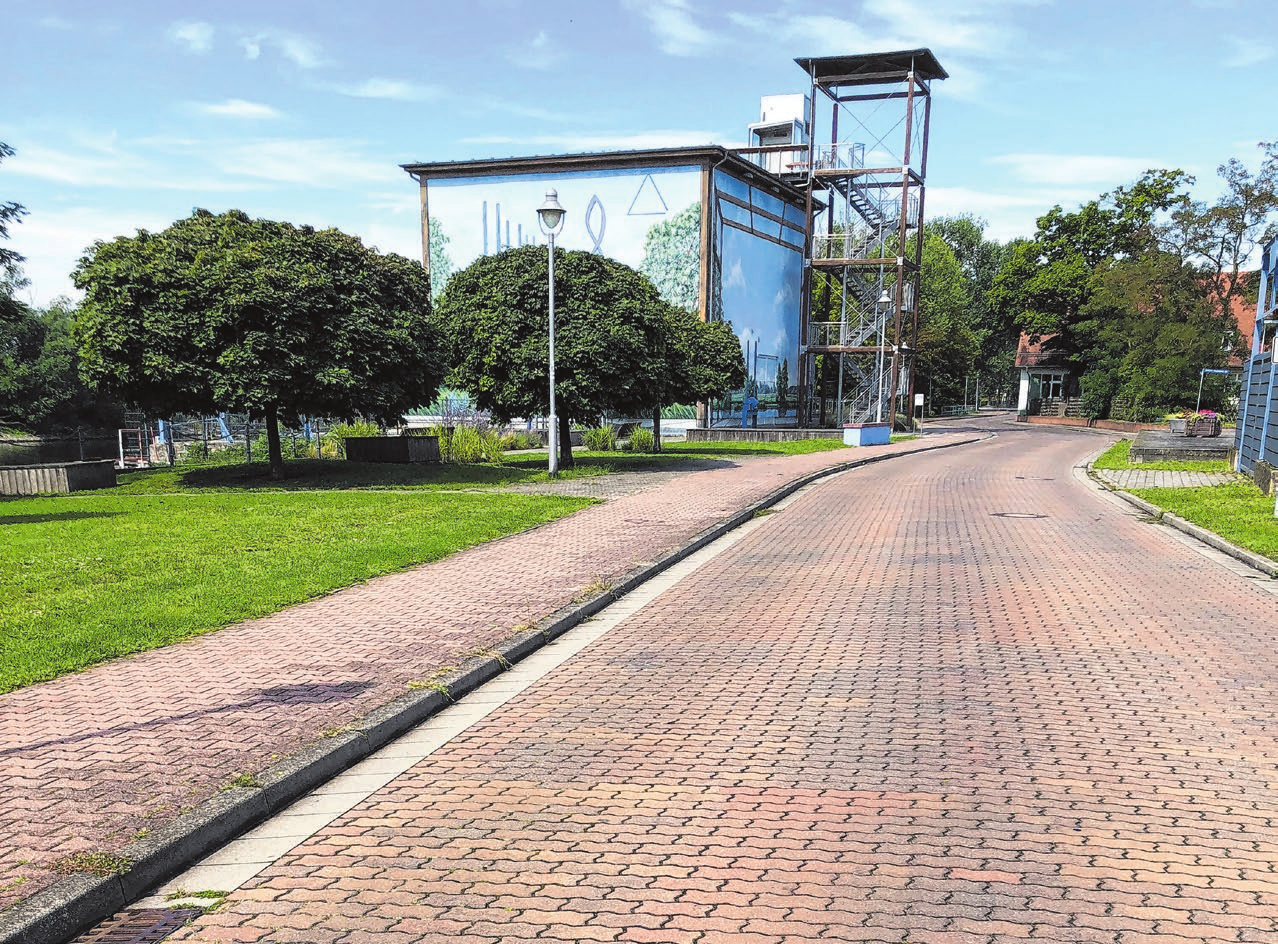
{"x": 89, "y": 760}
{"x": 954, "y": 700}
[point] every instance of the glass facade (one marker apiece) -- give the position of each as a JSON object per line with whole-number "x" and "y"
{"x": 757, "y": 277}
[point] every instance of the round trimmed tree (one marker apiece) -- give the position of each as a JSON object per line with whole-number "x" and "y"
{"x": 611, "y": 337}
{"x": 227, "y": 313}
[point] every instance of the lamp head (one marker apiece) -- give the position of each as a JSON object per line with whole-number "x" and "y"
{"x": 550, "y": 214}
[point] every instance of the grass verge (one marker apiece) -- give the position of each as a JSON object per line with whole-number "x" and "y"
{"x": 1117, "y": 457}
{"x": 528, "y": 467}
{"x": 1238, "y": 512}
{"x": 91, "y": 577}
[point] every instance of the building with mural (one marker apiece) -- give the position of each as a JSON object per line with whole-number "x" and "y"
{"x": 810, "y": 250}
{"x": 712, "y": 231}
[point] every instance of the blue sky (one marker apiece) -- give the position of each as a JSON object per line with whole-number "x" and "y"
{"x": 129, "y": 115}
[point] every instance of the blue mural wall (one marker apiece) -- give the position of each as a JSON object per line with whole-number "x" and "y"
{"x": 650, "y": 219}
{"x": 757, "y": 278}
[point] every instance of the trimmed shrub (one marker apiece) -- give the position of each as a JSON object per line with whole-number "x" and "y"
{"x": 601, "y": 439}
{"x": 468, "y": 445}
{"x": 641, "y": 440}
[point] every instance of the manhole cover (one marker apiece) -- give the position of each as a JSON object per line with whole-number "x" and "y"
{"x": 144, "y": 926}
{"x": 1016, "y": 514}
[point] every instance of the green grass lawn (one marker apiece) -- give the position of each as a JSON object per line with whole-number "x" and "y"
{"x": 1116, "y": 457}
{"x": 172, "y": 553}
{"x": 1238, "y": 511}
{"x": 92, "y": 577}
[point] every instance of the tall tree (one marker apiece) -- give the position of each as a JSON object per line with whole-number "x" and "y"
{"x": 1146, "y": 330}
{"x": 1221, "y": 238}
{"x": 227, "y": 313}
{"x": 611, "y": 337}
{"x": 1045, "y": 283}
{"x": 980, "y": 260}
{"x": 40, "y": 387}
{"x": 948, "y": 340}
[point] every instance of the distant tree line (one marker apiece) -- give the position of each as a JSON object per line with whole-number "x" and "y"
{"x": 1133, "y": 292}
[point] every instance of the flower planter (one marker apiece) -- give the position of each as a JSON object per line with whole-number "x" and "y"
{"x": 1177, "y": 425}
{"x": 1205, "y": 426}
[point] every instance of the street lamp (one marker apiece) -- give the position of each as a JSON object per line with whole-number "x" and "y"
{"x": 880, "y": 309}
{"x": 550, "y": 216}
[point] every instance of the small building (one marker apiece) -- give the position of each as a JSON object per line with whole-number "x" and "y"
{"x": 1045, "y": 382}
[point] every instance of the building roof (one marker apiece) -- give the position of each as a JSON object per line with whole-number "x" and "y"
{"x": 1031, "y": 354}
{"x": 712, "y": 154}
{"x": 873, "y": 68}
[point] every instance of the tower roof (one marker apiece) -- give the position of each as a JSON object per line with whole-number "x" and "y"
{"x": 873, "y": 68}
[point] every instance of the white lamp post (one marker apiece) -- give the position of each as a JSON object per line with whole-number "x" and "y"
{"x": 550, "y": 216}
{"x": 880, "y": 309}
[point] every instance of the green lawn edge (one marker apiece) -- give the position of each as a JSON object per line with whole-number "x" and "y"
{"x": 1239, "y": 512}
{"x": 97, "y": 576}
{"x": 1117, "y": 457}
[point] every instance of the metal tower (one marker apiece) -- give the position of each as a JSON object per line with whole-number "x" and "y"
{"x": 865, "y": 191}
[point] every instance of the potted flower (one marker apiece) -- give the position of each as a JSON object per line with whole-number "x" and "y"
{"x": 1202, "y": 423}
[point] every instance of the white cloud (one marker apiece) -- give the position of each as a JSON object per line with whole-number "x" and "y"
{"x": 297, "y": 49}
{"x": 194, "y": 35}
{"x": 1248, "y": 52}
{"x": 538, "y": 54}
{"x": 238, "y": 108}
{"x": 976, "y": 28}
{"x": 673, "y": 24}
{"x": 604, "y": 141}
{"x": 105, "y": 163}
{"x": 1072, "y": 170}
{"x": 818, "y": 35}
{"x": 395, "y": 89}
{"x": 395, "y": 203}
{"x": 1008, "y": 215}
{"x": 967, "y": 29}
{"x": 735, "y": 277}
{"x": 54, "y": 240}
{"x": 317, "y": 162}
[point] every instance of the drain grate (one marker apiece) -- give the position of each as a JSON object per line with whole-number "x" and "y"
{"x": 145, "y": 926}
{"x": 1015, "y": 514}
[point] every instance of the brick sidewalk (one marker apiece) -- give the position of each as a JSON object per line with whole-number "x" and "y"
{"x": 90, "y": 760}
{"x": 959, "y": 700}
{"x": 1162, "y": 478}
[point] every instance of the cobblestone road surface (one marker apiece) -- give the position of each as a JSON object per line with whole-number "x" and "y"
{"x": 88, "y": 761}
{"x": 961, "y": 699}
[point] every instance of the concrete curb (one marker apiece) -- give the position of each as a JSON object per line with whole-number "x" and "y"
{"x": 1255, "y": 561}
{"x": 69, "y": 907}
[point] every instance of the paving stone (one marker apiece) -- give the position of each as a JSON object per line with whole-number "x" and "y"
{"x": 89, "y": 760}
{"x": 889, "y": 713}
